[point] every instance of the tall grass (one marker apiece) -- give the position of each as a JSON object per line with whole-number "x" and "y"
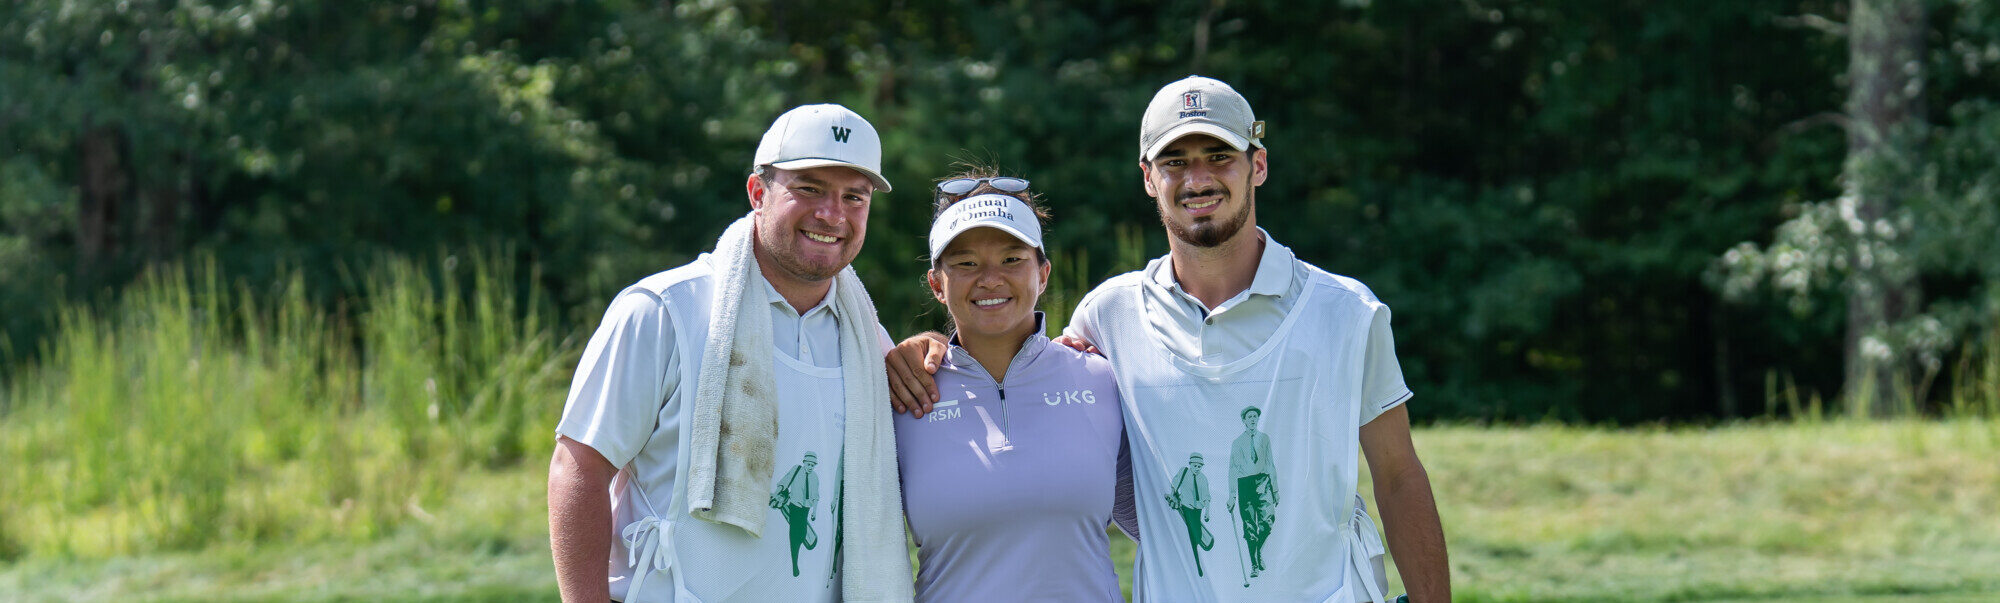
{"x": 1073, "y": 276}
{"x": 1975, "y": 385}
{"x": 197, "y": 412}
{"x": 1972, "y": 390}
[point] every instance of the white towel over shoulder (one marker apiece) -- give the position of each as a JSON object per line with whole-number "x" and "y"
{"x": 735, "y": 423}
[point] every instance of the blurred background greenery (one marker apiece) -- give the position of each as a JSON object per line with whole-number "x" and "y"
{"x": 285, "y": 273}
{"x": 1578, "y": 209}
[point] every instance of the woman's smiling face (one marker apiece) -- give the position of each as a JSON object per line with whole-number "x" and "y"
{"x": 990, "y": 281}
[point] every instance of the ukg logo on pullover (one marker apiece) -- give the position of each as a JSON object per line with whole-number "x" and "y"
{"x": 1074, "y": 396}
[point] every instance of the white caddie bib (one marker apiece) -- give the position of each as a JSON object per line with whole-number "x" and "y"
{"x": 1245, "y": 472}
{"x": 797, "y": 555}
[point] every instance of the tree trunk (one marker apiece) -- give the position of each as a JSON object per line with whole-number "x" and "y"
{"x": 1885, "y": 109}
{"x": 1201, "y": 27}
{"x": 105, "y": 182}
{"x": 159, "y": 231}
{"x": 1725, "y": 379}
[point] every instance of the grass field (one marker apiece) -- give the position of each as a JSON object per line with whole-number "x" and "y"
{"x": 206, "y": 442}
{"x": 1778, "y": 511}
{"x": 1834, "y": 512}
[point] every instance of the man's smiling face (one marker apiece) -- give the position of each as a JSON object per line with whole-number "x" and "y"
{"x": 1204, "y": 189}
{"x": 811, "y": 223}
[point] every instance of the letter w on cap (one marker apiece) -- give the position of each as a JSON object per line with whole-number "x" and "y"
{"x": 840, "y": 133}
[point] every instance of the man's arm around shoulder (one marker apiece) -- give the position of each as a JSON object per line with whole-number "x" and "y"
{"x": 1409, "y": 511}
{"x": 580, "y": 520}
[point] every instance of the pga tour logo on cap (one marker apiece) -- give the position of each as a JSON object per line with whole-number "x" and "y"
{"x": 1191, "y": 104}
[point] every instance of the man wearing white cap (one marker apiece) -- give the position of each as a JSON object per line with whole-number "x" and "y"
{"x": 1230, "y": 318}
{"x": 702, "y": 377}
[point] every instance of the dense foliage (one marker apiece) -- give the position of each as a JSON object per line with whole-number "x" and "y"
{"x": 1548, "y": 193}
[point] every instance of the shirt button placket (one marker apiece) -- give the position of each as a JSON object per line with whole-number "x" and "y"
{"x": 805, "y": 351}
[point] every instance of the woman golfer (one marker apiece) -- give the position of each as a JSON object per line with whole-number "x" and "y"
{"x": 1012, "y": 478}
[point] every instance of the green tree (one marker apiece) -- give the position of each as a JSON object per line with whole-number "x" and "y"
{"x": 1910, "y": 206}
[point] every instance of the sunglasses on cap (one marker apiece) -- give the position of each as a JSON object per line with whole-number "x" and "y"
{"x": 960, "y": 186}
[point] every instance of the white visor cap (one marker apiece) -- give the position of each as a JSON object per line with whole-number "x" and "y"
{"x": 1005, "y": 212}
{"x": 811, "y": 136}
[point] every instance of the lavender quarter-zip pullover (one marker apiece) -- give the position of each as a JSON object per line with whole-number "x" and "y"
{"x": 1009, "y": 483}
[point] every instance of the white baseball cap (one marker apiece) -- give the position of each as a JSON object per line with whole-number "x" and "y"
{"x": 811, "y": 136}
{"x": 1008, "y": 213}
{"x": 1198, "y": 105}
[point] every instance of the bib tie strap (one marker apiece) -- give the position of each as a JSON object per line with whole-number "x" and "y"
{"x": 649, "y": 547}
{"x": 1364, "y": 544}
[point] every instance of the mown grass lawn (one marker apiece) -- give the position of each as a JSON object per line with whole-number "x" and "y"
{"x": 1836, "y": 512}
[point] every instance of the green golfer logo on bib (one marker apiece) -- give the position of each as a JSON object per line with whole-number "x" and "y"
{"x": 1189, "y": 496}
{"x": 796, "y": 495}
{"x": 1252, "y": 504}
{"x": 1252, "y": 483}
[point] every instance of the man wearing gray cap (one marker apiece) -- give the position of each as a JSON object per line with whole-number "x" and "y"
{"x": 701, "y": 377}
{"x": 1229, "y": 318}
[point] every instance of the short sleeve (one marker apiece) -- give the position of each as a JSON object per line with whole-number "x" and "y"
{"x": 1382, "y": 386}
{"x": 1083, "y": 320}
{"x": 882, "y": 338}
{"x": 621, "y": 382}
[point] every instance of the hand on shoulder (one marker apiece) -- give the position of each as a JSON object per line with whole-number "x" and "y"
{"x": 912, "y": 367}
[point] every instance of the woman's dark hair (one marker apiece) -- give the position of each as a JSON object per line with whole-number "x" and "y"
{"x": 971, "y": 170}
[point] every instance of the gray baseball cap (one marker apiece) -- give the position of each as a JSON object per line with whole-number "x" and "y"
{"x": 813, "y": 136}
{"x": 1198, "y": 105}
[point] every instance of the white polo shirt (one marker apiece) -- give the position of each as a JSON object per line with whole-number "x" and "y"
{"x": 1240, "y": 323}
{"x": 1313, "y": 352}
{"x": 813, "y": 337}
{"x": 627, "y": 401}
